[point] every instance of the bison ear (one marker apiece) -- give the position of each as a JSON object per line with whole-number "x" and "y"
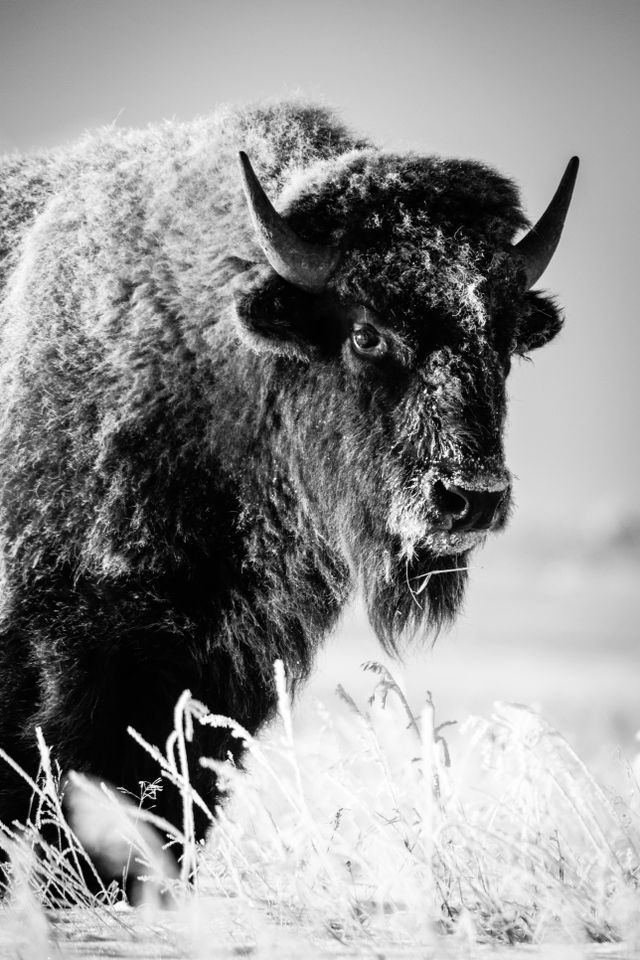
{"x": 540, "y": 322}
{"x": 275, "y": 316}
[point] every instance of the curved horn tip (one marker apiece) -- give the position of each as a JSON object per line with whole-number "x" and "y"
{"x": 245, "y": 163}
{"x": 303, "y": 263}
{"x": 571, "y": 171}
{"x": 536, "y": 249}
{"x": 249, "y": 178}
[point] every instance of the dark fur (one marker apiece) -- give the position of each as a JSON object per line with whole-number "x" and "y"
{"x": 196, "y": 471}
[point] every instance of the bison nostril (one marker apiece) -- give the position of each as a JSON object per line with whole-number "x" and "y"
{"x": 464, "y": 510}
{"x": 451, "y": 505}
{"x": 454, "y": 502}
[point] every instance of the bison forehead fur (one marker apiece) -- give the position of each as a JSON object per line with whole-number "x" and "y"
{"x": 197, "y": 467}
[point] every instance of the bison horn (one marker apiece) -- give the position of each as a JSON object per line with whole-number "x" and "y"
{"x": 538, "y": 246}
{"x": 301, "y": 262}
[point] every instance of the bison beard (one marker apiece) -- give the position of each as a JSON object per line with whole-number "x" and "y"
{"x": 425, "y": 592}
{"x": 205, "y": 449}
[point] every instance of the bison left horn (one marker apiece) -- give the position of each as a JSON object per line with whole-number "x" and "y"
{"x": 301, "y": 262}
{"x": 539, "y": 245}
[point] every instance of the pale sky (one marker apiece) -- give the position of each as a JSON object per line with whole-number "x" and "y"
{"x": 522, "y": 84}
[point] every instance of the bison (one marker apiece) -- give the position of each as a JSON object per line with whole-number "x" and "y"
{"x": 219, "y": 419}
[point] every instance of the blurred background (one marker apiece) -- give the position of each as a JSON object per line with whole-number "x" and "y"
{"x": 553, "y": 611}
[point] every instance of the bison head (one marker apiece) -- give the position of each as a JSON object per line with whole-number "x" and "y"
{"x": 394, "y": 284}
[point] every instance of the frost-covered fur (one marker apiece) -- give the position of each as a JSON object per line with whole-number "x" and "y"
{"x": 195, "y": 470}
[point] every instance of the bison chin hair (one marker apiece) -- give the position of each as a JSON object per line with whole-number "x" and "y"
{"x": 411, "y": 597}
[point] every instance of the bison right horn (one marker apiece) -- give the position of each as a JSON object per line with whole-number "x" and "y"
{"x": 301, "y": 262}
{"x": 538, "y": 246}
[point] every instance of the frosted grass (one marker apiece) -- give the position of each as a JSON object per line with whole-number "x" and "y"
{"x": 385, "y": 832}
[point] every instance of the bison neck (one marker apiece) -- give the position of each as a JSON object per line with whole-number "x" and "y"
{"x": 276, "y": 466}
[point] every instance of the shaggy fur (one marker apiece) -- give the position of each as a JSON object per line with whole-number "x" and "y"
{"x": 196, "y": 470}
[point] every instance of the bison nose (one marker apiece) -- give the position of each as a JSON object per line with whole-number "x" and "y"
{"x": 465, "y": 510}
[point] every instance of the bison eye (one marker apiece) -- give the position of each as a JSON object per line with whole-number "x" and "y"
{"x": 367, "y": 341}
